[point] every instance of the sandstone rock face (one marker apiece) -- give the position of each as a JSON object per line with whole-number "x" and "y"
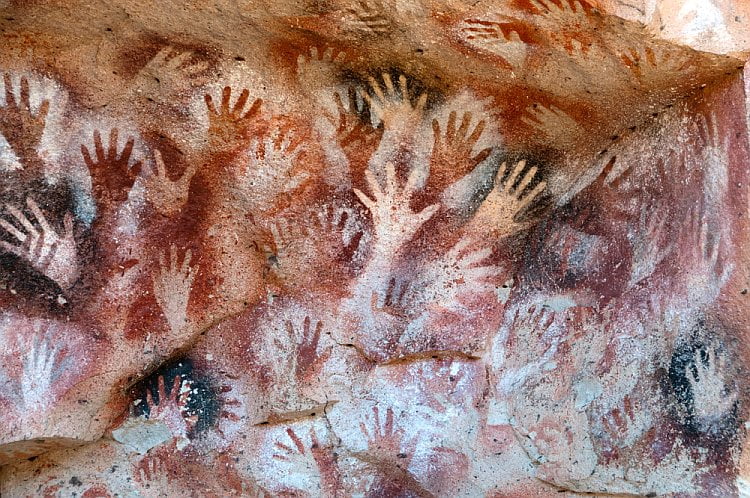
{"x": 374, "y": 248}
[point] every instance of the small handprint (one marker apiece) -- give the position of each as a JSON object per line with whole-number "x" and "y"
{"x": 653, "y": 64}
{"x": 561, "y": 9}
{"x": 228, "y": 128}
{"x": 41, "y": 366}
{"x": 21, "y": 127}
{"x": 712, "y": 397}
{"x": 172, "y": 408}
{"x": 554, "y": 123}
{"x": 394, "y": 221}
{"x": 307, "y": 342}
{"x": 172, "y": 286}
{"x": 368, "y": 17}
{"x": 167, "y": 196}
{"x": 388, "y": 440}
{"x": 452, "y": 151}
{"x": 651, "y": 242}
{"x": 392, "y": 299}
{"x": 50, "y": 253}
{"x": 394, "y": 108}
{"x": 624, "y": 425}
{"x": 507, "y": 199}
{"x": 324, "y": 460}
{"x": 270, "y": 168}
{"x": 153, "y": 476}
{"x": 112, "y": 177}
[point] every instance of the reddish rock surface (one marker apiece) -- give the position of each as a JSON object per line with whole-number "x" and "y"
{"x": 374, "y": 248}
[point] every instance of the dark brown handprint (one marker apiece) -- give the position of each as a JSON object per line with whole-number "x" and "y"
{"x": 230, "y": 128}
{"x": 112, "y": 176}
{"x": 20, "y": 126}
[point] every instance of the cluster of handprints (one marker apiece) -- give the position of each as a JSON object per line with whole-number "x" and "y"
{"x": 404, "y": 248}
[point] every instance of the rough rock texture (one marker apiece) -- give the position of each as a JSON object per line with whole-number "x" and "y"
{"x": 374, "y": 248}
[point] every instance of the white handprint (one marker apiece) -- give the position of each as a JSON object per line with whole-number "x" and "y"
{"x": 394, "y": 108}
{"x": 650, "y": 243}
{"x": 712, "y": 398}
{"x": 40, "y": 369}
{"x": 394, "y": 221}
{"x": 167, "y": 196}
{"x": 48, "y": 252}
{"x": 172, "y": 286}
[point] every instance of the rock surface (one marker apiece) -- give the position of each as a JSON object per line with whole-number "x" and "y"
{"x": 374, "y": 248}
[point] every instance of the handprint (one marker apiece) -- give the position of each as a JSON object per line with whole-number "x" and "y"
{"x": 51, "y": 254}
{"x": 368, "y": 17}
{"x": 19, "y": 125}
{"x": 167, "y": 196}
{"x": 624, "y": 425}
{"x": 394, "y": 221}
{"x": 41, "y": 366}
{"x": 172, "y": 408}
{"x": 561, "y": 9}
{"x": 153, "y": 476}
{"x": 386, "y": 439}
{"x": 395, "y": 109}
{"x": 315, "y": 69}
{"x": 172, "y": 69}
{"x": 172, "y": 286}
{"x": 112, "y": 177}
{"x": 650, "y": 242}
{"x": 307, "y": 341}
{"x": 452, "y": 152}
{"x": 554, "y": 123}
{"x": 500, "y": 38}
{"x": 356, "y": 135}
{"x": 230, "y": 128}
{"x": 392, "y": 299}
{"x": 270, "y": 168}
{"x": 507, "y": 199}
{"x": 712, "y": 397}
{"x": 324, "y": 459}
{"x": 653, "y": 64}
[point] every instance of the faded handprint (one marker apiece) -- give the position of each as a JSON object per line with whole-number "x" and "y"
{"x": 452, "y": 151}
{"x": 270, "y": 168}
{"x": 653, "y": 64}
{"x": 167, "y": 196}
{"x": 386, "y": 439}
{"x": 507, "y": 199}
{"x": 500, "y": 38}
{"x": 112, "y": 177}
{"x": 554, "y": 123}
{"x": 172, "y": 286}
{"x": 324, "y": 459}
{"x": 20, "y": 126}
{"x": 51, "y": 254}
{"x": 708, "y": 271}
{"x": 459, "y": 272}
{"x": 230, "y": 128}
{"x": 153, "y": 476}
{"x": 394, "y": 221}
{"x": 392, "y": 299}
{"x": 562, "y": 9}
{"x": 172, "y": 408}
{"x": 368, "y": 17}
{"x": 624, "y": 425}
{"x": 176, "y": 70}
{"x": 41, "y": 366}
{"x": 315, "y": 68}
{"x": 712, "y": 396}
{"x": 395, "y": 108}
{"x": 651, "y": 242}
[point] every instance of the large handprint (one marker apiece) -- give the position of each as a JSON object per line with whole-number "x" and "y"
{"x": 394, "y": 221}
{"x": 172, "y": 408}
{"x": 167, "y": 196}
{"x": 19, "y": 125}
{"x": 171, "y": 72}
{"x": 51, "y": 254}
{"x": 112, "y": 177}
{"x": 356, "y": 135}
{"x": 453, "y": 150}
{"x": 506, "y": 200}
{"x": 230, "y": 128}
